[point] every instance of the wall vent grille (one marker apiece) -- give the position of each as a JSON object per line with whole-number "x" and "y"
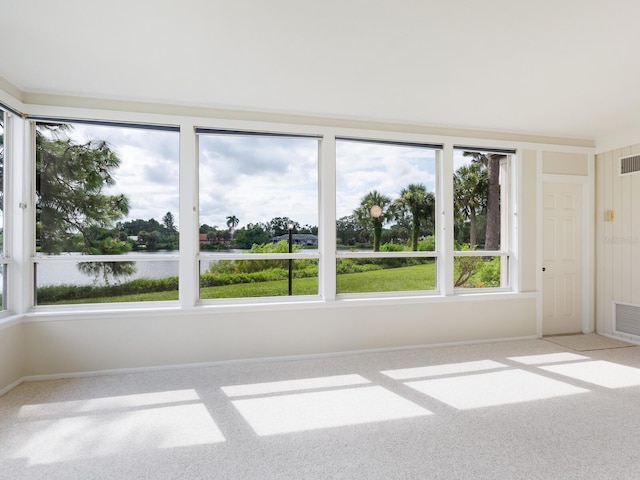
{"x": 630, "y": 164}
{"x": 627, "y": 318}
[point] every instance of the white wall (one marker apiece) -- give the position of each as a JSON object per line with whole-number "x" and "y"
{"x": 101, "y": 342}
{"x": 617, "y": 241}
{"x": 12, "y": 354}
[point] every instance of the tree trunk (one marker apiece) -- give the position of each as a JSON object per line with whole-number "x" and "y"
{"x": 415, "y": 231}
{"x": 473, "y": 230}
{"x": 377, "y": 233}
{"x": 492, "y": 235}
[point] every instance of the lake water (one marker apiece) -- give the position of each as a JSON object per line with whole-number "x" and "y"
{"x": 67, "y": 272}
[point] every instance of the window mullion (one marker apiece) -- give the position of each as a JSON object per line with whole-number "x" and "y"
{"x": 327, "y": 220}
{"x": 189, "y": 268}
{"x": 445, "y": 241}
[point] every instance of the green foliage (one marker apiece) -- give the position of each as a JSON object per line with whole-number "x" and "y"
{"x": 365, "y": 218}
{"x": 489, "y": 274}
{"x": 71, "y": 179}
{"x": 252, "y": 234}
{"x": 65, "y": 293}
{"x": 427, "y": 244}
{"x": 465, "y": 268}
{"x": 393, "y": 247}
{"x": 280, "y": 226}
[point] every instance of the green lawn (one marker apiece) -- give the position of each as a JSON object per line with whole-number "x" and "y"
{"x": 417, "y": 277}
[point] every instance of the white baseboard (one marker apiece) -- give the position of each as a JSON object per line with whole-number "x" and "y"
{"x": 119, "y": 371}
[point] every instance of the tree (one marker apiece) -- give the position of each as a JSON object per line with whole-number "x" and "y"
{"x": 419, "y": 203}
{"x": 280, "y": 226}
{"x": 71, "y": 179}
{"x": 252, "y": 234}
{"x": 491, "y": 162}
{"x": 469, "y": 187}
{"x": 171, "y": 231}
{"x": 169, "y": 222}
{"x": 367, "y": 216}
{"x": 232, "y": 223}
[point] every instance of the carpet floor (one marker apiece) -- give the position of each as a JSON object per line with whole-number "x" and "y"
{"x": 511, "y": 410}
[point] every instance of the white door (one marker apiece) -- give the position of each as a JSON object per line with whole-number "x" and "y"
{"x": 562, "y": 258}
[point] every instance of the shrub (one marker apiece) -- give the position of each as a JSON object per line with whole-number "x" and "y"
{"x": 489, "y": 274}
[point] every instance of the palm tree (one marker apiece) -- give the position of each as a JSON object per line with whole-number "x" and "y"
{"x": 469, "y": 187}
{"x": 366, "y": 214}
{"x": 232, "y": 223}
{"x": 419, "y": 203}
{"x": 491, "y": 161}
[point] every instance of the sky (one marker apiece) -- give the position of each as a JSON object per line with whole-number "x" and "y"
{"x": 254, "y": 178}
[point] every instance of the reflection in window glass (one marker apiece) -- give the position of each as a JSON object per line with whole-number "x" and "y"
{"x": 258, "y": 195}
{"x": 105, "y": 190}
{"x": 386, "y": 196}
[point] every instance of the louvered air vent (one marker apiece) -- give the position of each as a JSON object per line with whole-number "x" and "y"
{"x": 627, "y": 318}
{"x": 629, "y": 165}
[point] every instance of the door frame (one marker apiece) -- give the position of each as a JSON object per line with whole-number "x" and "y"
{"x": 588, "y": 225}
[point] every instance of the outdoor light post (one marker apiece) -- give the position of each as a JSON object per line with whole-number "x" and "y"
{"x": 290, "y": 227}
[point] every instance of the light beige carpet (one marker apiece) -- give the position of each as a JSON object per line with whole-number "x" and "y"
{"x": 587, "y": 342}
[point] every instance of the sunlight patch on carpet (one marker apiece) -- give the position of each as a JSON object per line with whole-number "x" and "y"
{"x": 494, "y": 388}
{"x": 599, "y": 372}
{"x": 107, "y": 434}
{"x": 317, "y": 410}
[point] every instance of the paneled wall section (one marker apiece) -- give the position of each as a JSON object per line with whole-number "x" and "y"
{"x": 617, "y": 239}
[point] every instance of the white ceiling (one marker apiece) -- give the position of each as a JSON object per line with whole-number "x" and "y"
{"x": 552, "y": 67}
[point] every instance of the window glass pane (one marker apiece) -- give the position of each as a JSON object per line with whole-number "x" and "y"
{"x": 480, "y": 272}
{"x": 258, "y": 194}
{"x": 478, "y": 192}
{"x": 105, "y": 190}
{"x": 258, "y": 278}
{"x": 362, "y": 275}
{"x": 385, "y": 196}
{"x": 69, "y": 282}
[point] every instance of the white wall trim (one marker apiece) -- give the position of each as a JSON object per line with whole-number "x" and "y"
{"x": 243, "y": 361}
{"x": 539, "y": 245}
{"x": 12, "y": 385}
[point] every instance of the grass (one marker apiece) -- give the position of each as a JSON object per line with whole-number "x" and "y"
{"x": 417, "y": 277}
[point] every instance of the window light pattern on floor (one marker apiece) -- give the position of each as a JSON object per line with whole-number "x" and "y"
{"x": 288, "y": 406}
{"x": 102, "y": 427}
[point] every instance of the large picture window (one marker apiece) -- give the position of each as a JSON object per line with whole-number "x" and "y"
{"x": 386, "y": 222}
{"x": 106, "y": 213}
{"x": 481, "y": 206}
{"x": 258, "y": 230}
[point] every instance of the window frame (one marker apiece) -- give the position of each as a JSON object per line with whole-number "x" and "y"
{"x": 35, "y": 259}
{"x": 206, "y": 256}
{"x": 436, "y": 254}
{"x": 507, "y": 227}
